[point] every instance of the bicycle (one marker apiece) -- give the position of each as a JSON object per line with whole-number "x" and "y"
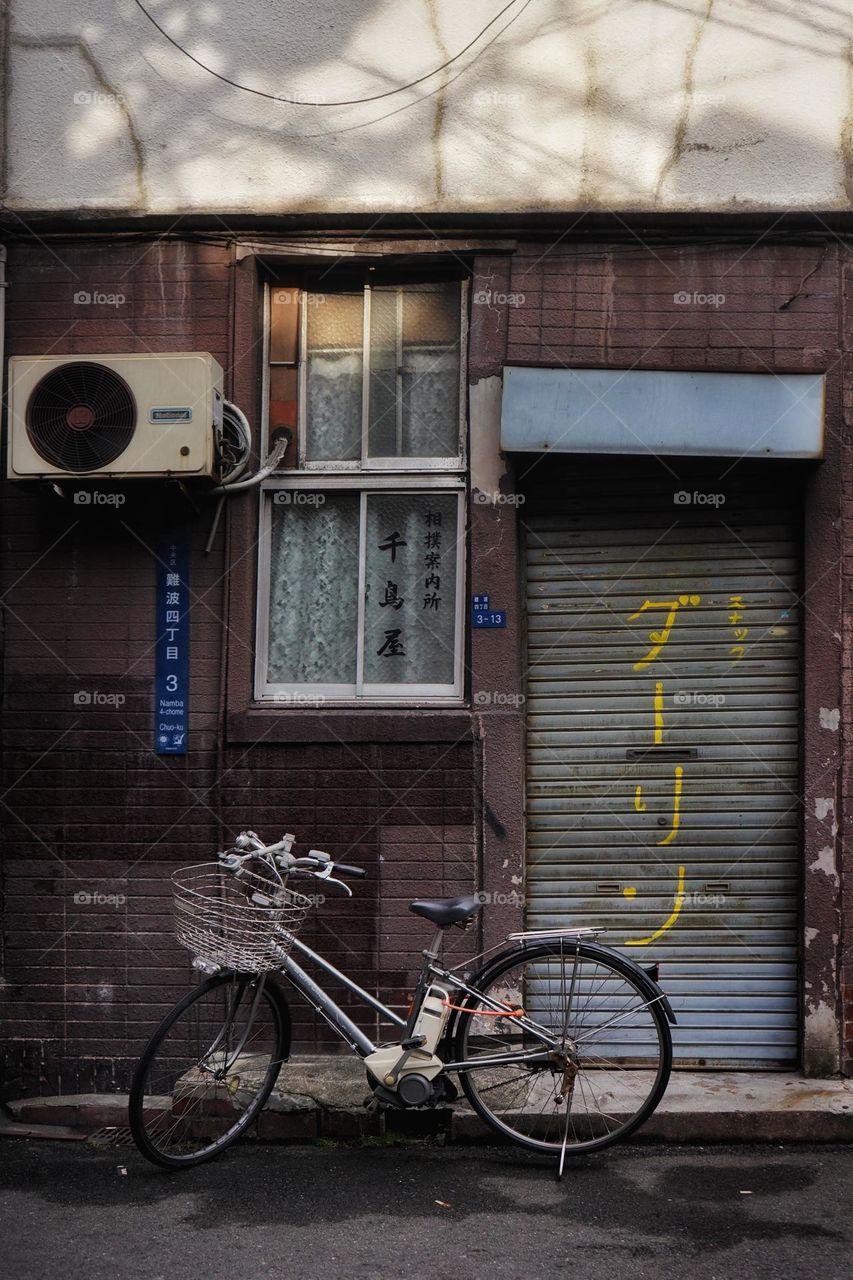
{"x": 560, "y": 1044}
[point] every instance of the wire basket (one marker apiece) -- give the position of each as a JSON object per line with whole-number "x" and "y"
{"x": 217, "y": 919}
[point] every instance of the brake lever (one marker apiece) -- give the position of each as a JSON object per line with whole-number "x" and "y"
{"x": 326, "y": 876}
{"x": 333, "y": 880}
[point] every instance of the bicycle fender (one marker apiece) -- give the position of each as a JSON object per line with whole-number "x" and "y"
{"x": 284, "y": 1009}
{"x": 286, "y": 1020}
{"x": 645, "y": 980}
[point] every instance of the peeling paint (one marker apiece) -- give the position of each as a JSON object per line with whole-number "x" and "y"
{"x": 821, "y": 1039}
{"x": 830, "y": 718}
{"x": 487, "y": 463}
{"x": 825, "y": 862}
{"x": 823, "y": 807}
{"x": 810, "y": 935}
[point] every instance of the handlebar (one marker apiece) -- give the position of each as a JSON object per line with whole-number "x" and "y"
{"x": 353, "y": 872}
{"x": 315, "y": 863}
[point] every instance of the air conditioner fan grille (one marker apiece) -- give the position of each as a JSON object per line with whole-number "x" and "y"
{"x": 81, "y": 416}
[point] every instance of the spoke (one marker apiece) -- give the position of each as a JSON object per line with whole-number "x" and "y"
{"x": 587, "y": 1083}
{"x": 619, "y": 1018}
{"x": 208, "y": 1069}
{"x": 503, "y": 1083}
{"x": 583, "y": 1007}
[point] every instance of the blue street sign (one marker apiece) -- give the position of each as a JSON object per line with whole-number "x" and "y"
{"x": 172, "y": 679}
{"x": 483, "y": 615}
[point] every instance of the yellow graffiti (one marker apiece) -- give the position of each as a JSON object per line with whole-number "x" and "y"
{"x": 659, "y": 638}
{"x": 735, "y": 617}
{"x": 676, "y": 807}
{"x": 676, "y": 911}
{"x": 658, "y": 712}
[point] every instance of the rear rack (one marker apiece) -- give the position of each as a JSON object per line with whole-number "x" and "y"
{"x": 554, "y": 933}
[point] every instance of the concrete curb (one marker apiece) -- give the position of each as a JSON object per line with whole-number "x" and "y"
{"x": 323, "y": 1097}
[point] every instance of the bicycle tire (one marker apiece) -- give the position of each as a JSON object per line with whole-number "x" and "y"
{"x": 137, "y": 1110}
{"x": 602, "y": 957}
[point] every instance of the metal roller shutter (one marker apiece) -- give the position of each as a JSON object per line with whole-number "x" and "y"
{"x": 663, "y": 729}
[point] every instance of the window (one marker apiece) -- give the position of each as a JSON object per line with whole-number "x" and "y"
{"x": 362, "y": 535}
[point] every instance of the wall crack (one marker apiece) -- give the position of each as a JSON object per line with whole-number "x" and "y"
{"x": 74, "y": 44}
{"x": 678, "y": 141}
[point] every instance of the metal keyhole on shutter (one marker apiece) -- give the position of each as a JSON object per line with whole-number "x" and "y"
{"x": 662, "y": 759}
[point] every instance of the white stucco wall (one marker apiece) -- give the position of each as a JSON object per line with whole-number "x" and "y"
{"x": 578, "y": 104}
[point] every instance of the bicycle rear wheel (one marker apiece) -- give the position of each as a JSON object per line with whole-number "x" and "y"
{"x": 208, "y": 1070}
{"x": 609, "y": 1041}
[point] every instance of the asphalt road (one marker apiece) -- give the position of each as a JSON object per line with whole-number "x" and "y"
{"x": 459, "y": 1213}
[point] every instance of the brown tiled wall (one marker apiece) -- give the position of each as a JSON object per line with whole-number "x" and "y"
{"x": 94, "y": 821}
{"x": 89, "y": 809}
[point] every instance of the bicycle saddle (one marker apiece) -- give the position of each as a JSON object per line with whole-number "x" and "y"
{"x": 445, "y": 911}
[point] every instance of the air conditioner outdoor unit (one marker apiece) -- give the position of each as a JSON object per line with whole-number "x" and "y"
{"x": 114, "y": 416}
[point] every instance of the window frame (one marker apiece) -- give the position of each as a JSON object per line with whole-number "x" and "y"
{"x": 365, "y": 464}
{"x": 359, "y": 695}
{"x": 362, "y": 476}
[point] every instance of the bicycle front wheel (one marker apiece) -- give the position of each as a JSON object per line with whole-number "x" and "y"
{"x": 600, "y": 1048}
{"x": 208, "y": 1070}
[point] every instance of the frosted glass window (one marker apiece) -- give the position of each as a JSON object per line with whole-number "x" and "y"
{"x": 364, "y": 548}
{"x": 313, "y": 618}
{"x": 334, "y": 359}
{"x": 405, "y": 382}
{"x": 410, "y": 588}
{"x": 414, "y": 372}
{"x": 403, "y": 551}
{"x": 384, "y": 430}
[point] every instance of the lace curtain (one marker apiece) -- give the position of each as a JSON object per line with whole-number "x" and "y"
{"x": 410, "y": 589}
{"x": 413, "y": 402}
{"x": 313, "y": 622}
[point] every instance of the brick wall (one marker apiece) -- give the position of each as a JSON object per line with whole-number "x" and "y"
{"x": 89, "y": 810}
{"x": 588, "y": 303}
{"x": 94, "y": 821}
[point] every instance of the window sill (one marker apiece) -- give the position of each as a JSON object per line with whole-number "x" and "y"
{"x": 352, "y": 724}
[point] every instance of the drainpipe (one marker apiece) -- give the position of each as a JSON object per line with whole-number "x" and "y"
{"x": 2, "y": 308}
{"x": 2, "y": 618}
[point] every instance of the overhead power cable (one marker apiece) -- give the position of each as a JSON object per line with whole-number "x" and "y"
{"x": 343, "y": 102}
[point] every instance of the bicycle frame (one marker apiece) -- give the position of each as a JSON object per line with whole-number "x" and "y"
{"x": 332, "y": 1013}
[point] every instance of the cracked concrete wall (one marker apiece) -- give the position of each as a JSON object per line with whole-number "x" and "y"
{"x": 662, "y": 104}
